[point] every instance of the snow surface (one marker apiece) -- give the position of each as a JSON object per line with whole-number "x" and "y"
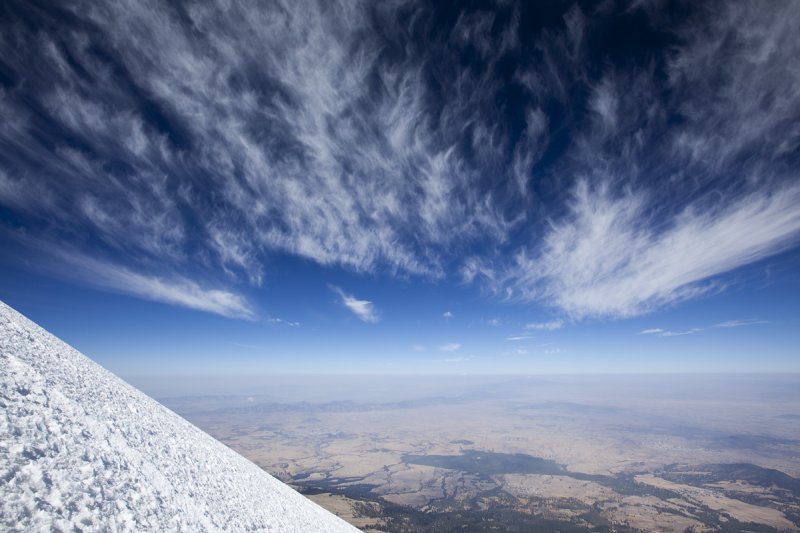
{"x": 80, "y": 449}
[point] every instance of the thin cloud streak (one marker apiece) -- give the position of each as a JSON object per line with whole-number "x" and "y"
{"x": 606, "y": 258}
{"x": 173, "y": 289}
{"x": 660, "y": 332}
{"x": 668, "y": 333}
{"x": 363, "y": 309}
{"x": 680, "y": 333}
{"x": 651, "y": 331}
{"x": 282, "y": 322}
{"x": 551, "y": 325}
{"x": 740, "y": 323}
{"x": 450, "y": 347}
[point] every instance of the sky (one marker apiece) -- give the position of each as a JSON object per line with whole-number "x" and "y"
{"x": 237, "y": 188}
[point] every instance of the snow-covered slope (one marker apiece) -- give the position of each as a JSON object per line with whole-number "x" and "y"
{"x": 80, "y": 448}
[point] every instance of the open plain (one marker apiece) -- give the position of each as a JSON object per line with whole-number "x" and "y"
{"x": 621, "y": 453}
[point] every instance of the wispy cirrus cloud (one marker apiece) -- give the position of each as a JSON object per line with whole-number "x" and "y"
{"x": 363, "y": 309}
{"x": 168, "y": 288}
{"x": 608, "y": 255}
{"x": 227, "y": 132}
{"x": 739, "y": 323}
{"x": 145, "y": 281}
{"x": 660, "y": 332}
{"x": 651, "y": 331}
{"x": 669, "y": 333}
{"x": 450, "y": 347}
{"x": 550, "y": 325}
{"x": 209, "y": 137}
{"x": 625, "y": 243}
{"x": 282, "y": 322}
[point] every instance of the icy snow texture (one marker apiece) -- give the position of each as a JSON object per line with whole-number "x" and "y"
{"x": 80, "y": 449}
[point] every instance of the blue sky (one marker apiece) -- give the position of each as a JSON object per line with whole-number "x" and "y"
{"x": 411, "y": 187}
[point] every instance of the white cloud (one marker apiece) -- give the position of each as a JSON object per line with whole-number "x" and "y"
{"x": 476, "y": 268}
{"x": 450, "y": 347}
{"x": 270, "y": 110}
{"x": 679, "y": 333}
{"x": 725, "y": 325}
{"x": 418, "y": 347}
{"x": 280, "y": 321}
{"x": 447, "y": 315}
{"x": 270, "y": 137}
{"x": 669, "y": 333}
{"x": 552, "y": 325}
{"x": 363, "y": 309}
{"x": 739, "y": 323}
{"x": 519, "y": 337}
{"x": 658, "y": 213}
{"x": 493, "y": 322}
{"x": 171, "y": 289}
{"x": 608, "y": 257}
{"x": 757, "y": 53}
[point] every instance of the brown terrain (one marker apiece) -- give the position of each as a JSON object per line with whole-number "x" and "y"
{"x": 508, "y": 454}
